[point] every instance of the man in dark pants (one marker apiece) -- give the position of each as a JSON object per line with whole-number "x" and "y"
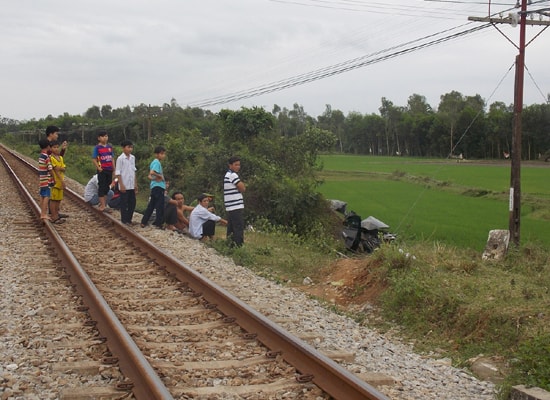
{"x": 233, "y": 189}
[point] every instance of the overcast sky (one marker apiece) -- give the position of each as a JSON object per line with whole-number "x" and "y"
{"x": 60, "y": 56}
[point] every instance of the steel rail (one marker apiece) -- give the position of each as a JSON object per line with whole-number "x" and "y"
{"x": 324, "y": 372}
{"x": 146, "y": 383}
{"x": 321, "y": 370}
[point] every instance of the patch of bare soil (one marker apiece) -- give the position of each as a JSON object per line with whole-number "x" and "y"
{"x": 348, "y": 282}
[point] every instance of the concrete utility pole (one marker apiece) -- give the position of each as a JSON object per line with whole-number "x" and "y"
{"x": 515, "y": 185}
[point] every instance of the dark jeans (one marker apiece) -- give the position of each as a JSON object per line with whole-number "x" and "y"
{"x": 156, "y": 202}
{"x": 127, "y": 206}
{"x": 209, "y": 228}
{"x": 235, "y": 226}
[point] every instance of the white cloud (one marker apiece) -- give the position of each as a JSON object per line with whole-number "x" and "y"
{"x": 65, "y": 56}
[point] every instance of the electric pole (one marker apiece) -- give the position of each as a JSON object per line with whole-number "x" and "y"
{"x": 515, "y": 183}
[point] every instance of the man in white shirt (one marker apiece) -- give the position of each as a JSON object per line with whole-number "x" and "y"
{"x": 125, "y": 172}
{"x": 233, "y": 189}
{"x": 202, "y": 223}
{"x": 91, "y": 189}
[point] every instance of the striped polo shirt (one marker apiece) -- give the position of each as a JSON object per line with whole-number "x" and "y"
{"x": 232, "y": 198}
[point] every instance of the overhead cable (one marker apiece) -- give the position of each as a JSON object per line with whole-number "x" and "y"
{"x": 336, "y": 69}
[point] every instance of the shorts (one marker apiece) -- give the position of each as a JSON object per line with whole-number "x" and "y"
{"x": 104, "y": 179}
{"x": 45, "y": 192}
{"x": 57, "y": 194}
{"x": 171, "y": 215}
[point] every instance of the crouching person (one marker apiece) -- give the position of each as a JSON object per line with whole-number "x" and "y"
{"x": 202, "y": 223}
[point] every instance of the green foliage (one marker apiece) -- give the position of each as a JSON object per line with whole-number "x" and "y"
{"x": 448, "y": 298}
{"x": 279, "y": 255}
{"x": 245, "y": 124}
{"x": 448, "y": 202}
{"x": 531, "y": 363}
{"x": 443, "y": 296}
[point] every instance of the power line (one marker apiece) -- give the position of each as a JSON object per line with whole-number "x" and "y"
{"x": 336, "y": 69}
{"x": 376, "y": 8}
{"x": 546, "y": 99}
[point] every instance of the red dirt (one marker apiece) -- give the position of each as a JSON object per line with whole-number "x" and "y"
{"x": 348, "y": 282}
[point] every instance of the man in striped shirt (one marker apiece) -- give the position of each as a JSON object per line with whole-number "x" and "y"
{"x": 233, "y": 189}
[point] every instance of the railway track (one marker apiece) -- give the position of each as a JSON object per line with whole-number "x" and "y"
{"x": 173, "y": 333}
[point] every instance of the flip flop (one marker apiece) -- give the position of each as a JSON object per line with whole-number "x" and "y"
{"x": 58, "y": 221}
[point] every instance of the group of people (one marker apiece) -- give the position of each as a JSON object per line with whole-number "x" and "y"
{"x": 51, "y": 171}
{"x": 201, "y": 220}
{"x": 119, "y": 175}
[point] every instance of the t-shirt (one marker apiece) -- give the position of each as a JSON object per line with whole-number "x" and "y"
{"x": 44, "y": 168}
{"x": 232, "y": 198}
{"x": 126, "y": 168}
{"x": 104, "y": 155}
{"x": 199, "y": 216}
{"x": 157, "y": 167}
{"x": 58, "y": 175}
{"x": 91, "y": 188}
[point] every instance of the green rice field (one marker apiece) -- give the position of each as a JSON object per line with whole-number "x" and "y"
{"x": 440, "y": 200}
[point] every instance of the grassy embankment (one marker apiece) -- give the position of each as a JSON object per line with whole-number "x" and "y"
{"x": 446, "y": 298}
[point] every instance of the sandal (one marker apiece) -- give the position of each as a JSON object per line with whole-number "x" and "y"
{"x": 58, "y": 221}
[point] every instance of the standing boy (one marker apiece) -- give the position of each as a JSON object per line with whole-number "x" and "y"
{"x": 158, "y": 186}
{"x": 102, "y": 157}
{"x": 233, "y": 189}
{"x": 44, "y": 170}
{"x": 126, "y": 174}
{"x": 58, "y": 173}
{"x": 52, "y": 134}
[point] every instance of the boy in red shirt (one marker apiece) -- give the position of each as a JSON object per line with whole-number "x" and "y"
{"x": 103, "y": 158}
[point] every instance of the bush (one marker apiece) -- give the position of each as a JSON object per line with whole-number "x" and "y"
{"x": 531, "y": 364}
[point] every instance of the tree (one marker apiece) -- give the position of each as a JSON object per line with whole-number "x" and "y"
{"x": 536, "y": 129}
{"x": 106, "y": 111}
{"x": 499, "y": 129}
{"x": 334, "y": 121}
{"x": 450, "y": 107}
{"x": 418, "y": 118}
{"x": 93, "y": 113}
{"x": 298, "y": 120}
{"x": 393, "y": 117}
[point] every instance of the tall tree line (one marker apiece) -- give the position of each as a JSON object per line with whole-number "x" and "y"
{"x": 459, "y": 125}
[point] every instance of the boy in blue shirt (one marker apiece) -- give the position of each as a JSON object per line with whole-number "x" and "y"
{"x": 158, "y": 186}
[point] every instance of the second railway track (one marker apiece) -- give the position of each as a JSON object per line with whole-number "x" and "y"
{"x": 197, "y": 339}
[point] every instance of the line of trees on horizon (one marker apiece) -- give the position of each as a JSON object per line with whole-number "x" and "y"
{"x": 459, "y": 125}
